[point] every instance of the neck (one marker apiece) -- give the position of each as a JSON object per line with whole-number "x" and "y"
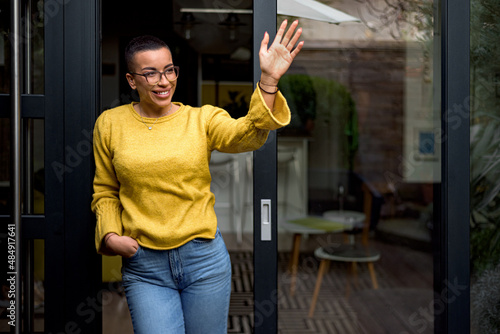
{"x": 151, "y": 112}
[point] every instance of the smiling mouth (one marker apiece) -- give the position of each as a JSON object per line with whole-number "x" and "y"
{"x": 165, "y": 93}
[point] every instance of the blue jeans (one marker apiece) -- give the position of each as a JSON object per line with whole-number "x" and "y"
{"x": 182, "y": 290}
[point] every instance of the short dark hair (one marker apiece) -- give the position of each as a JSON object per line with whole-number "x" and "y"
{"x": 142, "y": 43}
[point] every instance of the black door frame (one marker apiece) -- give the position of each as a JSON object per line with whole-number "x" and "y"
{"x": 451, "y": 259}
{"x": 265, "y": 187}
{"x": 70, "y": 105}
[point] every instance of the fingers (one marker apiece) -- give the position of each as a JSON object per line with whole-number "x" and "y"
{"x": 291, "y": 37}
{"x": 297, "y": 49}
{"x": 288, "y": 36}
{"x": 281, "y": 31}
{"x": 264, "y": 43}
{"x": 295, "y": 38}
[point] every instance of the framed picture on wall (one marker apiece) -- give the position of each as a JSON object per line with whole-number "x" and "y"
{"x": 234, "y": 97}
{"x": 425, "y": 144}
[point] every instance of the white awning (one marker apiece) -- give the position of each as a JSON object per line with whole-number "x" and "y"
{"x": 313, "y": 10}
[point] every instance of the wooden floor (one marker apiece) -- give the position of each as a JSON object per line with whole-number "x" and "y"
{"x": 402, "y": 304}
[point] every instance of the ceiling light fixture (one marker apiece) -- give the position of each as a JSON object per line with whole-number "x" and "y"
{"x": 232, "y": 22}
{"x": 187, "y": 22}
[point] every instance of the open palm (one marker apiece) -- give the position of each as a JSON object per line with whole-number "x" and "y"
{"x": 275, "y": 60}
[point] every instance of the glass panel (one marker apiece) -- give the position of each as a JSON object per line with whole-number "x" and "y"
{"x": 38, "y": 297}
{"x": 356, "y": 171}
{"x": 33, "y": 203}
{"x": 4, "y": 166}
{"x": 38, "y": 285}
{"x": 485, "y": 166}
{"x": 34, "y": 32}
{"x": 38, "y": 170}
{"x": 32, "y": 43}
{"x": 215, "y": 68}
{"x": 4, "y": 47}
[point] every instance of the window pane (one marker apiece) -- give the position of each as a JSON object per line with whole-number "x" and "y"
{"x": 35, "y": 41}
{"x": 32, "y": 45}
{"x": 485, "y": 165}
{"x": 4, "y": 166}
{"x": 215, "y": 62}
{"x": 4, "y": 47}
{"x": 356, "y": 171}
{"x": 38, "y": 275}
{"x": 38, "y": 169}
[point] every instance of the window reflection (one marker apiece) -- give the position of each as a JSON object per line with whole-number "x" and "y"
{"x": 4, "y": 165}
{"x": 4, "y": 47}
{"x": 35, "y": 41}
{"x": 32, "y": 42}
{"x": 366, "y": 119}
{"x": 38, "y": 167}
{"x": 485, "y": 166}
{"x": 37, "y": 190}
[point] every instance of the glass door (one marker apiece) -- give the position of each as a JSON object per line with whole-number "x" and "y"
{"x": 359, "y": 169}
{"x": 46, "y": 165}
{"x": 215, "y": 43}
{"x": 30, "y": 150}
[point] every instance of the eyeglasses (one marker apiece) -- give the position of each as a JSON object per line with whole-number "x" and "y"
{"x": 154, "y": 77}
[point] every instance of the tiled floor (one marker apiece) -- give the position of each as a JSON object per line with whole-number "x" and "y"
{"x": 398, "y": 306}
{"x": 404, "y": 276}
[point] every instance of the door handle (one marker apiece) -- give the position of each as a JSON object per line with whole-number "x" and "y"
{"x": 265, "y": 220}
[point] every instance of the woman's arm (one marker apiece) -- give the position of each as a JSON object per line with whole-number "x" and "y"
{"x": 106, "y": 203}
{"x": 268, "y": 108}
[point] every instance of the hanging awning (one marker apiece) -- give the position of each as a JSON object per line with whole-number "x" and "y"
{"x": 313, "y": 10}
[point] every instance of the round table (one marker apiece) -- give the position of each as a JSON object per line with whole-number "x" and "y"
{"x": 330, "y": 222}
{"x": 350, "y": 219}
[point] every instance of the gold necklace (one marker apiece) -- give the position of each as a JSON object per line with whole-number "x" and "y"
{"x": 151, "y": 127}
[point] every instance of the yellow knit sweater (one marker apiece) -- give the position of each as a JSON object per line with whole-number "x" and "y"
{"x": 154, "y": 185}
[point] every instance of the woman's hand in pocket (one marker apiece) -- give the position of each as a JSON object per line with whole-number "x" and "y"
{"x": 122, "y": 245}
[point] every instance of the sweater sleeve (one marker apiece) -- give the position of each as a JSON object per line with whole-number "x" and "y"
{"x": 248, "y": 133}
{"x": 105, "y": 201}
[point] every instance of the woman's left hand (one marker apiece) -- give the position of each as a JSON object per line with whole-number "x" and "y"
{"x": 275, "y": 61}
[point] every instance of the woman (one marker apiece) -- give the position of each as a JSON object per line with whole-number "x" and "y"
{"x": 152, "y": 194}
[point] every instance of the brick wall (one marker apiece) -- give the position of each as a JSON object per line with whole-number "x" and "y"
{"x": 374, "y": 73}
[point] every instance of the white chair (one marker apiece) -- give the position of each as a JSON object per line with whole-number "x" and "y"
{"x": 289, "y": 166}
{"x": 225, "y": 170}
{"x": 287, "y": 162}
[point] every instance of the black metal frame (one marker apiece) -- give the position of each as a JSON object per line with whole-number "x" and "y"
{"x": 69, "y": 108}
{"x": 452, "y": 272}
{"x": 265, "y": 187}
{"x": 82, "y": 76}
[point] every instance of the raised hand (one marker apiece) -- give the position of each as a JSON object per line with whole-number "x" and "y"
{"x": 275, "y": 60}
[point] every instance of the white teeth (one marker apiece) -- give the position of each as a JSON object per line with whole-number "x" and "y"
{"x": 161, "y": 93}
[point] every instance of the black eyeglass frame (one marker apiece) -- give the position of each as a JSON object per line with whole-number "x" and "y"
{"x": 164, "y": 73}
